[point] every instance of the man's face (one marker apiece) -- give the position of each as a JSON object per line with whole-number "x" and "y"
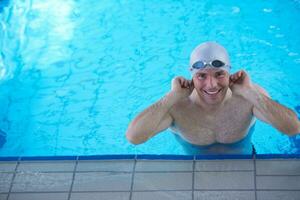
{"x": 211, "y": 85}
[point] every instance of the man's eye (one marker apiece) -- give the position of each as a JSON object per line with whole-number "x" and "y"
{"x": 220, "y": 75}
{"x": 201, "y": 76}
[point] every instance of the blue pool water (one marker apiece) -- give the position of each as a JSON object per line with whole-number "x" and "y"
{"x": 73, "y": 74}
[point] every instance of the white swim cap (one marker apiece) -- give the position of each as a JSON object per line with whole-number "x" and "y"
{"x": 208, "y": 53}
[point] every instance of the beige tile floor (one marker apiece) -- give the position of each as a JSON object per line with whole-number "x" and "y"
{"x": 276, "y": 179}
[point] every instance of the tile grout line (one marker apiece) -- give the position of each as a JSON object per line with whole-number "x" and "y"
{"x": 224, "y": 171}
{"x": 132, "y": 177}
{"x": 255, "y": 187}
{"x": 73, "y": 178}
{"x": 13, "y": 178}
{"x": 165, "y": 171}
{"x": 193, "y": 178}
{"x": 165, "y": 190}
{"x": 278, "y": 175}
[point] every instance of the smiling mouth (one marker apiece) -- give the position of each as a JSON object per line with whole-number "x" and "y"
{"x": 212, "y": 92}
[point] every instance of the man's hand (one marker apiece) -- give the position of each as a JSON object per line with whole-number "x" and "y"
{"x": 182, "y": 87}
{"x": 240, "y": 82}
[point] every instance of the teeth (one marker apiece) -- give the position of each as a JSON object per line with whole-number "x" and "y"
{"x": 215, "y": 92}
{"x": 212, "y": 92}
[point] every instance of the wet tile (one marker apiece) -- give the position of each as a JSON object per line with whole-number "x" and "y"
{"x": 102, "y": 181}
{"x": 100, "y": 195}
{"x": 224, "y": 180}
{"x": 278, "y": 195}
{"x": 163, "y": 181}
{"x": 163, "y": 195}
{"x": 161, "y": 165}
{"x": 278, "y": 182}
{"x": 126, "y": 166}
{"x": 224, "y": 195}
{"x": 278, "y": 167}
{"x": 5, "y": 180}
{"x": 38, "y": 196}
{"x": 46, "y": 166}
{"x": 8, "y": 166}
{"x": 3, "y": 196}
{"x": 224, "y": 165}
{"x": 42, "y": 182}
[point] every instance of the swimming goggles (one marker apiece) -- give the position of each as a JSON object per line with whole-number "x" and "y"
{"x": 215, "y": 63}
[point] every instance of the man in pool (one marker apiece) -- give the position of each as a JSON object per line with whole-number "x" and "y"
{"x": 214, "y": 107}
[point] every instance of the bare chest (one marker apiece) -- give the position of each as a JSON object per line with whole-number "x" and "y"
{"x": 229, "y": 124}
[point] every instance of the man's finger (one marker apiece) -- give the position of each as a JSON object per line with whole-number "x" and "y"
{"x": 235, "y": 76}
{"x": 191, "y": 84}
{"x": 244, "y": 74}
{"x": 188, "y": 83}
{"x": 180, "y": 82}
{"x": 183, "y": 83}
{"x": 232, "y": 77}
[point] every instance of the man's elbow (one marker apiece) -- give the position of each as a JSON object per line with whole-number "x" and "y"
{"x": 293, "y": 130}
{"x": 133, "y": 139}
{"x": 292, "y": 133}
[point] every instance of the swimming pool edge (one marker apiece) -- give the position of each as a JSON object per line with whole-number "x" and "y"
{"x": 151, "y": 157}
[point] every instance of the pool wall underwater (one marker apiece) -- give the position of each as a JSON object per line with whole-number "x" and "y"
{"x": 71, "y": 80}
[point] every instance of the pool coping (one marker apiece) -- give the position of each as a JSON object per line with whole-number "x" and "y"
{"x": 151, "y": 157}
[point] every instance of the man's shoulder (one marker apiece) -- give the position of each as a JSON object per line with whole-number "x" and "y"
{"x": 182, "y": 105}
{"x": 237, "y": 101}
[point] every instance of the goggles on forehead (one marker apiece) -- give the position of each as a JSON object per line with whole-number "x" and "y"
{"x": 215, "y": 63}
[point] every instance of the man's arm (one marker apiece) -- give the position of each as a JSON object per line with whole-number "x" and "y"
{"x": 157, "y": 118}
{"x": 267, "y": 110}
{"x": 151, "y": 121}
{"x": 264, "y": 108}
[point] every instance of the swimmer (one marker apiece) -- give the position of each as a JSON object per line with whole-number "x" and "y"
{"x": 214, "y": 107}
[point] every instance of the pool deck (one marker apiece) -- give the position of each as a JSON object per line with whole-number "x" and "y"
{"x": 240, "y": 179}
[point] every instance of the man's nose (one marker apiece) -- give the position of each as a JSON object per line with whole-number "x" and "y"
{"x": 211, "y": 82}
